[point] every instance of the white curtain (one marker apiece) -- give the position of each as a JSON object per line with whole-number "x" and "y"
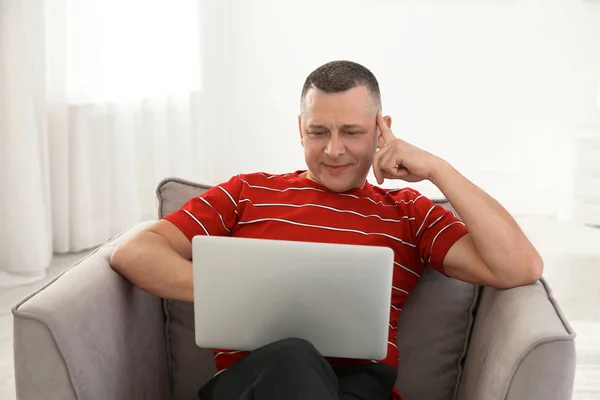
{"x": 99, "y": 101}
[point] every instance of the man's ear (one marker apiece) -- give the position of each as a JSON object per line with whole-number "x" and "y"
{"x": 300, "y": 130}
{"x": 388, "y": 121}
{"x": 380, "y": 140}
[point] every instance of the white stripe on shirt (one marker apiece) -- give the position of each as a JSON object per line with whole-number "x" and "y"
{"x": 228, "y": 195}
{"x": 400, "y": 190}
{"x": 195, "y": 219}
{"x": 435, "y": 222}
{"x": 280, "y": 190}
{"x": 424, "y": 219}
{"x": 436, "y": 236}
{"x": 268, "y": 177}
{"x": 220, "y": 217}
{"x": 409, "y": 201}
{"x": 325, "y": 227}
{"x": 327, "y": 208}
{"x": 400, "y": 290}
{"x": 368, "y": 198}
{"x": 407, "y": 269}
{"x": 228, "y": 352}
{"x": 316, "y": 190}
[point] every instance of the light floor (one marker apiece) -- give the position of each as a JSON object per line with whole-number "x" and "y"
{"x": 572, "y": 267}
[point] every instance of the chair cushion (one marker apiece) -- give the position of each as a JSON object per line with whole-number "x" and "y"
{"x": 433, "y": 335}
{"x": 434, "y": 328}
{"x": 189, "y": 365}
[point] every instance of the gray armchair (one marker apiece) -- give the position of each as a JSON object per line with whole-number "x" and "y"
{"x": 89, "y": 334}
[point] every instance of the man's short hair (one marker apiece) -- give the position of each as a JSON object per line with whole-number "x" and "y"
{"x": 340, "y": 76}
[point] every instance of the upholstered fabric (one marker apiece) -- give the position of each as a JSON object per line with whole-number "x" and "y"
{"x": 90, "y": 334}
{"x": 189, "y": 366}
{"x": 433, "y": 335}
{"x": 521, "y": 346}
{"x": 39, "y": 363}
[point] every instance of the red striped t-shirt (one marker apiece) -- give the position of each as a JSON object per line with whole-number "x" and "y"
{"x": 291, "y": 207}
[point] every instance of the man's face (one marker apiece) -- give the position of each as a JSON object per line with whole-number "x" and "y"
{"x": 340, "y": 137}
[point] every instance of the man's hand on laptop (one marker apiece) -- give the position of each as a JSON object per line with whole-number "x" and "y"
{"x": 398, "y": 159}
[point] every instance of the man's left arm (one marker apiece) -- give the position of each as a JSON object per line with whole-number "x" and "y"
{"x": 495, "y": 252}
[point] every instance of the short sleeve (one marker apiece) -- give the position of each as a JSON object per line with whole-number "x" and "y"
{"x": 437, "y": 230}
{"x": 213, "y": 213}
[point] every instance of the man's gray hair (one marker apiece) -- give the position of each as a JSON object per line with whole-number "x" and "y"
{"x": 340, "y": 76}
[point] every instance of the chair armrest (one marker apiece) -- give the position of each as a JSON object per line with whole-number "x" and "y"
{"x": 521, "y": 347}
{"x": 90, "y": 334}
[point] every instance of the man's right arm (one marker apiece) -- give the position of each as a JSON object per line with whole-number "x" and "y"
{"x": 157, "y": 260}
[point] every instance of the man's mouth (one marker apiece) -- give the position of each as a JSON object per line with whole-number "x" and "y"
{"x": 336, "y": 169}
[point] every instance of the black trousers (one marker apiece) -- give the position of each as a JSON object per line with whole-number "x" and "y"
{"x": 292, "y": 369}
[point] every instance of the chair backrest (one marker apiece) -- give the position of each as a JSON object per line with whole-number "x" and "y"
{"x": 433, "y": 335}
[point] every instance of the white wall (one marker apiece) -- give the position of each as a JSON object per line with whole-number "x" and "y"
{"x": 496, "y": 87}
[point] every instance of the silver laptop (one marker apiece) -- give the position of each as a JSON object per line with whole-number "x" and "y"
{"x": 252, "y": 292}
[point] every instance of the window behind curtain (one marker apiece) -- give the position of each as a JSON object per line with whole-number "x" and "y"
{"x": 127, "y": 50}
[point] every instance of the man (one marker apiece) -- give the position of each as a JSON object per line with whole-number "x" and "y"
{"x": 344, "y": 135}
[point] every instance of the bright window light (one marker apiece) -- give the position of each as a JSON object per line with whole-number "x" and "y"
{"x": 123, "y": 50}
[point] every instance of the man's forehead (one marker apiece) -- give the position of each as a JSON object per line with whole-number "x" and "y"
{"x": 337, "y": 117}
{"x": 355, "y": 98}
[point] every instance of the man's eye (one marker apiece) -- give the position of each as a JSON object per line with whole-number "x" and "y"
{"x": 353, "y": 133}
{"x": 316, "y": 133}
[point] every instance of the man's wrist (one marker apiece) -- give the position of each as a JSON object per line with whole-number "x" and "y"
{"x": 440, "y": 171}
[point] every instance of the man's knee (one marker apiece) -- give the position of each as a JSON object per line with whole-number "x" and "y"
{"x": 298, "y": 362}
{"x": 291, "y": 352}
{"x": 294, "y": 348}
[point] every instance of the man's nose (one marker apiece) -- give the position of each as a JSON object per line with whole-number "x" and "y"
{"x": 335, "y": 146}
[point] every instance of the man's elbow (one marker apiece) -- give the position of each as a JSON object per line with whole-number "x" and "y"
{"x": 121, "y": 262}
{"x": 536, "y": 267}
{"x": 529, "y": 271}
{"x": 115, "y": 258}
{"x": 118, "y": 258}
{"x": 524, "y": 273}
